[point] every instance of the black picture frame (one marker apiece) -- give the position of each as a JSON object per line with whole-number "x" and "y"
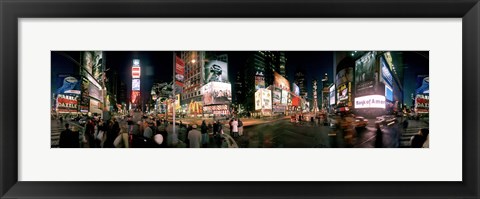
{"x": 11, "y": 11}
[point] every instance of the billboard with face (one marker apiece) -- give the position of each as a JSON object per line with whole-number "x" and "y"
{"x": 280, "y": 82}
{"x": 68, "y": 84}
{"x": 92, "y": 62}
{"x": 343, "y": 76}
{"x": 365, "y": 74}
{"x": 217, "y": 93}
{"x": 215, "y": 71}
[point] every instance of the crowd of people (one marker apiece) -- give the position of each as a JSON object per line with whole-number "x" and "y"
{"x": 149, "y": 132}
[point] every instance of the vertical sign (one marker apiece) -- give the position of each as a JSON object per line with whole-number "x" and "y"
{"x": 179, "y": 72}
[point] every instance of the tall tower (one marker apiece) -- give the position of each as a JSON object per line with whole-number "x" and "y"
{"x": 315, "y": 100}
{"x": 135, "y": 99}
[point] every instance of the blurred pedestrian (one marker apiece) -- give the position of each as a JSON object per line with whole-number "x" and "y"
{"x": 172, "y": 140}
{"x": 194, "y": 137}
{"x": 69, "y": 138}
{"x": 379, "y": 136}
{"x": 240, "y": 127}
{"x": 204, "y": 131}
{"x": 234, "y": 128}
{"x": 419, "y": 139}
{"x": 90, "y": 133}
{"x": 112, "y": 133}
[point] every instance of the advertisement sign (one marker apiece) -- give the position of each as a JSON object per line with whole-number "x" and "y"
{"x": 342, "y": 92}
{"x": 386, "y": 75}
{"x": 284, "y": 97}
{"x": 135, "y": 97}
{"x": 388, "y": 93}
{"x": 332, "y": 94}
{"x": 279, "y": 108}
{"x": 296, "y": 101}
{"x": 95, "y": 106}
{"x": 389, "y": 60}
{"x": 95, "y": 92}
{"x": 277, "y": 95}
{"x": 215, "y": 71}
{"x": 136, "y": 71}
{"x": 280, "y": 82}
{"x": 179, "y": 71}
{"x": 259, "y": 81}
{"x": 343, "y": 76}
{"x": 177, "y": 102}
{"x": 422, "y": 103}
{"x": 295, "y": 89}
{"x": 263, "y": 99}
{"x": 84, "y": 96}
{"x": 217, "y": 93}
{"x": 216, "y": 110}
{"x": 67, "y": 103}
{"x": 365, "y": 74}
{"x": 68, "y": 84}
{"x": 370, "y": 101}
{"x": 92, "y": 62}
{"x": 136, "y": 84}
{"x": 423, "y": 83}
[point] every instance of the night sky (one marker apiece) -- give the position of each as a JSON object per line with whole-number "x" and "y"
{"x": 157, "y": 66}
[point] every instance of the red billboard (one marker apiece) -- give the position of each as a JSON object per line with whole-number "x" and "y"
{"x": 179, "y": 71}
{"x": 135, "y": 98}
{"x": 136, "y": 71}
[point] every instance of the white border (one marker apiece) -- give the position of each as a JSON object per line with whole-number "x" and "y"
{"x": 442, "y": 161}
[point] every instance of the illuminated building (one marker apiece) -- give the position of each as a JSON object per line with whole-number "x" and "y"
{"x": 194, "y": 77}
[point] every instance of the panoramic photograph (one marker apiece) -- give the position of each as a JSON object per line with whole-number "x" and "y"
{"x": 239, "y": 99}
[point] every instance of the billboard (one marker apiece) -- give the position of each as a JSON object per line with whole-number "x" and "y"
{"x": 136, "y": 84}
{"x": 95, "y": 92}
{"x": 217, "y": 93}
{"x": 136, "y": 71}
{"x": 215, "y": 71}
{"x": 386, "y": 75}
{"x": 68, "y": 84}
{"x": 280, "y": 82}
{"x": 296, "y": 101}
{"x": 217, "y": 109}
{"x": 279, "y": 108}
{"x": 277, "y": 96}
{"x": 342, "y": 92}
{"x": 259, "y": 80}
{"x": 263, "y": 99}
{"x": 84, "y": 96}
{"x": 422, "y": 103}
{"x": 295, "y": 89}
{"x": 95, "y": 106}
{"x": 370, "y": 101}
{"x": 92, "y": 62}
{"x": 179, "y": 71}
{"x": 284, "y": 97}
{"x": 67, "y": 103}
{"x": 135, "y": 97}
{"x": 423, "y": 85}
{"x": 365, "y": 74}
{"x": 332, "y": 94}
{"x": 388, "y": 92}
{"x": 343, "y": 76}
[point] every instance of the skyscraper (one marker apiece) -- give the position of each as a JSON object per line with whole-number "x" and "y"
{"x": 301, "y": 82}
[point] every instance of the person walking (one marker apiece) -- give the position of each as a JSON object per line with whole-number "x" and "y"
{"x": 90, "y": 133}
{"x": 195, "y": 137}
{"x": 69, "y": 138}
{"x": 112, "y": 133}
{"x": 204, "y": 130}
{"x": 172, "y": 140}
{"x": 235, "y": 128}
{"x": 378, "y": 137}
{"x": 240, "y": 127}
{"x": 418, "y": 140}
